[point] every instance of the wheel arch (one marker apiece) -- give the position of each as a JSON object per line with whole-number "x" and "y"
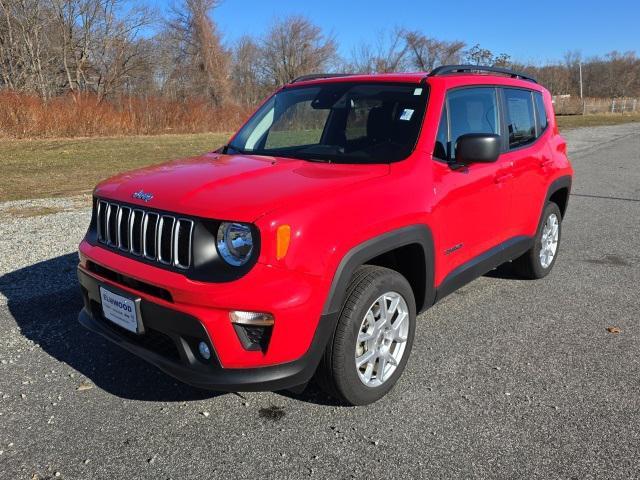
{"x": 558, "y": 193}
{"x": 395, "y": 250}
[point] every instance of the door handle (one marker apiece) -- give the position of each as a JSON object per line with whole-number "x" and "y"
{"x": 503, "y": 178}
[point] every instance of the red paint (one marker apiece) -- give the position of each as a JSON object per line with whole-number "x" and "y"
{"x": 331, "y": 209}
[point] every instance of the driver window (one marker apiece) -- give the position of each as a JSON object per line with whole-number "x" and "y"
{"x": 472, "y": 110}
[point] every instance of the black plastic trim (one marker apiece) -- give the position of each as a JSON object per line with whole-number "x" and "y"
{"x": 558, "y": 184}
{"x": 482, "y": 264}
{"x": 186, "y": 331}
{"x": 450, "y": 69}
{"x": 319, "y": 76}
{"x": 359, "y": 255}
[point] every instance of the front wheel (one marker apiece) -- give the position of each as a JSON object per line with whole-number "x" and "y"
{"x": 539, "y": 260}
{"x": 373, "y": 338}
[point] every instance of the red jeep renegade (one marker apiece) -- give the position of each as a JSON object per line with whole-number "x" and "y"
{"x": 346, "y": 205}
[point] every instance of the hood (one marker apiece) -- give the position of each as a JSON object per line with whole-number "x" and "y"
{"x": 234, "y": 187}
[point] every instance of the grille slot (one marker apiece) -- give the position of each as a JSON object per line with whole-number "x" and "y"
{"x": 182, "y": 242}
{"x": 165, "y": 239}
{"x": 150, "y": 235}
{"x": 123, "y": 228}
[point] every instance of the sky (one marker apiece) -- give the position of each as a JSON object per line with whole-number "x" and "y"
{"x": 534, "y": 31}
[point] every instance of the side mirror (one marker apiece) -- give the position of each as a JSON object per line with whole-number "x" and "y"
{"x": 478, "y": 148}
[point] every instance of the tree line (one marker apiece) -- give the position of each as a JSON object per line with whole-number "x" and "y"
{"x": 113, "y": 49}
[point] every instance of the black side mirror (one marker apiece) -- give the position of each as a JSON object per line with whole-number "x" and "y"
{"x": 478, "y": 148}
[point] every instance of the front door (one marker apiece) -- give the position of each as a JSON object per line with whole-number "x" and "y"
{"x": 473, "y": 201}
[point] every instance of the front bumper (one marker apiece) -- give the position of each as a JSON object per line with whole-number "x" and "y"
{"x": 295, "y": 299}
{"x": 170, "y": 343}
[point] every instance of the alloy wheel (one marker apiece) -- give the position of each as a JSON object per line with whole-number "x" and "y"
{"x": 549, "y": 240}
{"x": 382, "y": 339}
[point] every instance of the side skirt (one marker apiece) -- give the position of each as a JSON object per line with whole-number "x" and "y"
{"x": 509, "y": 250}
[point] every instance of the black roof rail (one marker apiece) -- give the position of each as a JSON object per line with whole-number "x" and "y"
{"x": 449, "y": 69}
{"x": 316, "y": 76}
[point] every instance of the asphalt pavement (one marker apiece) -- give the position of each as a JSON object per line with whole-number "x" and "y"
{"x": 507, "y": 379}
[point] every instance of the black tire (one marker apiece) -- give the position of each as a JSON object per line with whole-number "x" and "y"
{"x": 529, "y": 265}
{"x": 337, "y": 373}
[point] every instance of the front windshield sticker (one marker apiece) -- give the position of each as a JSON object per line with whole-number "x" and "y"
{"x": 406, "y": 115}
{"x": 417, "y": 91}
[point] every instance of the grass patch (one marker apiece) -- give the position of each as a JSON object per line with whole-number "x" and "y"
{"x": 65, "y": 167}
{"x": 566, "y": 122}
{"x": 27, "y": 212}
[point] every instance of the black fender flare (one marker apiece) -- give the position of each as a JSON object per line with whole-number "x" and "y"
{"x": 362, "y": 253}
{"x": 558, "y": 184}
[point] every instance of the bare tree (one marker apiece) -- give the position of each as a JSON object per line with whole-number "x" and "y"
{"x": 248, "y": 84}
{"x": 295, "y": 47}
{"x": 52, "y": 47}
{"x": 502, "y": 60}
{"x": 198, "y": 49}
{"x": 24, "y": 58}
{"x": 117, "y": 53}
{"x": 477, "y": 55}
{"x": 426, "y": 53}
{"x": 387, "y": 54}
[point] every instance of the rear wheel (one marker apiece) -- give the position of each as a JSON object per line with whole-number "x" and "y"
{"x": 539, "y": 260}
{"x": 373, "y": 338}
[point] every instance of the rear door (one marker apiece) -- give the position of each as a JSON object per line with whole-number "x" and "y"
{"x": 529, "y": 154}
{"x": 473, "y": 201}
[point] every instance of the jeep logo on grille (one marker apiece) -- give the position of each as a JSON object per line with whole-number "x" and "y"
{"x": 141, "y": 195}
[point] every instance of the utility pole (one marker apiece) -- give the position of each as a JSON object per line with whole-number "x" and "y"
{"x": 581, "y": 96}
{"x": 580, "y": 67}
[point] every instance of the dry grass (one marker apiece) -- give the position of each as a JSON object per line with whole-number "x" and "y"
{"x": 27, "y": 212}
{"x": 28, "y": 116}
{"x": 566, "y": 122}
{"x": 63, "y": 167}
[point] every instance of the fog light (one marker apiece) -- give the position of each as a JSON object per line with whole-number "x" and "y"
{"x": 204, "y": 350}
{"x": 258, "y": 319}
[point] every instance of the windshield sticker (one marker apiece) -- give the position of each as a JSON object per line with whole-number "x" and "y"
{"x": 417, "y": 91}
{"x": 406, "y": 115}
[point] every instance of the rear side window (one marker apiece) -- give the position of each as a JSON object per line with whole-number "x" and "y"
{"x": 541, "y": 111}
{"x": 472, "y": 110}
{"x": 521, "y": 123}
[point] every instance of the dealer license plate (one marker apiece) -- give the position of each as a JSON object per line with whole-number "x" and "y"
{"x": 120, "y": 310}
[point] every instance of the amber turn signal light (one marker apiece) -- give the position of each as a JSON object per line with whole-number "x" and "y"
{"x": 283, "y": 238}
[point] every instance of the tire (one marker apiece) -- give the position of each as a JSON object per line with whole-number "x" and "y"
{"x": 338, "y": 374}
{"x": 532, "y": 264}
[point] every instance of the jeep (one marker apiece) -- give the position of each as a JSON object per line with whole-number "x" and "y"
{"x": 307, "y": 246}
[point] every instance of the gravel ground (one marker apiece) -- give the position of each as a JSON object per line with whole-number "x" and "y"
{"x": 508, "y": 378}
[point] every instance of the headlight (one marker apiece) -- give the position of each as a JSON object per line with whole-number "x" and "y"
{"x": 235, "y": 243}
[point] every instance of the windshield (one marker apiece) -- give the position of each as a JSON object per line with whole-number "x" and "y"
{"x": 337, "y": 122}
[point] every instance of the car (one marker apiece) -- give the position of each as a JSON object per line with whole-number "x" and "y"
{"x": 306, "y": 247}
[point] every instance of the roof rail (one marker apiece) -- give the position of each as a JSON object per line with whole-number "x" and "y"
{"x": 448, "y": 69}
{"x": 316, "y": 76}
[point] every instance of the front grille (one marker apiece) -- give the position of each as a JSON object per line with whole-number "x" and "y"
{"x": 162, "y": 238}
